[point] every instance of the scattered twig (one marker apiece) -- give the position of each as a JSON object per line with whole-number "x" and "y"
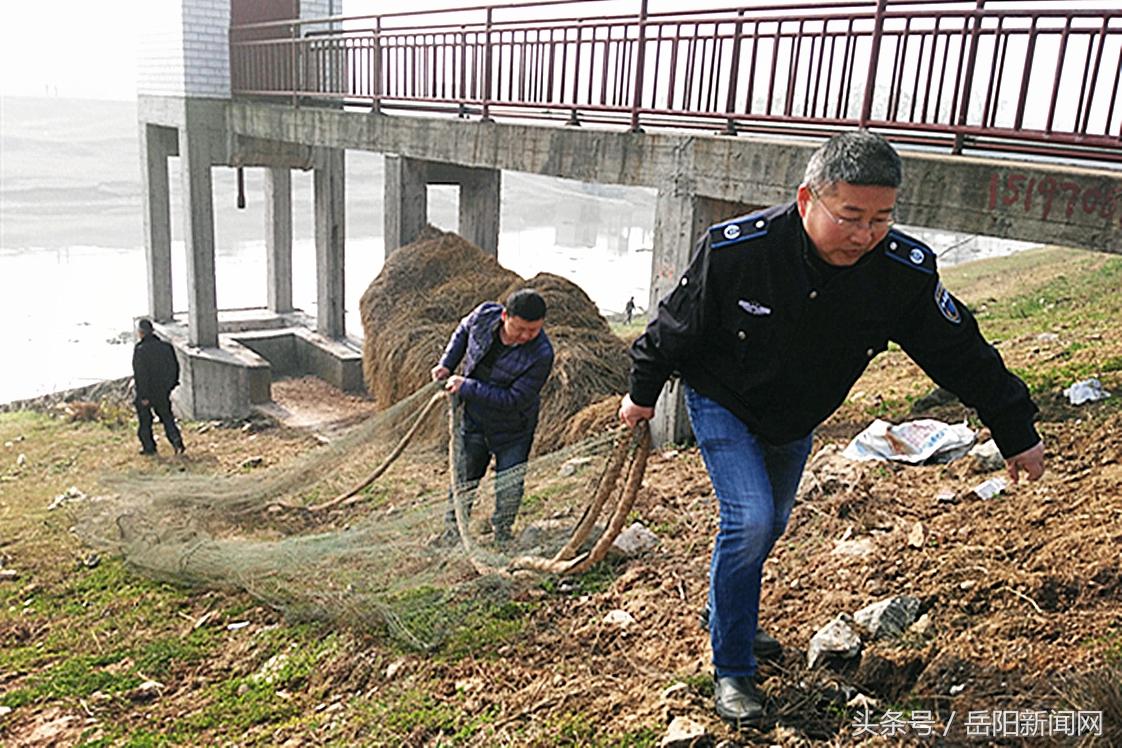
{"x": 1023, "y": 596}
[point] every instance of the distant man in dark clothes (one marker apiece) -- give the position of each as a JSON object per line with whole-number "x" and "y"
{"x": 506, "y": 359}
{"x": 156, "y": 373}
{"x": 629, "y": 309}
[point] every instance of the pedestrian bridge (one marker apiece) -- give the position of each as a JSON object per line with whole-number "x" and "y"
{"x": 1009, "y": 121}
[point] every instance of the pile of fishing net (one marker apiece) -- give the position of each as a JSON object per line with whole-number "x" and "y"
{"x": 380, "y": 560}
{"x": 356, "y": 531}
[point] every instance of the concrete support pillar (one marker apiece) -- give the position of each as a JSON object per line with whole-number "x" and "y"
{"x": 680, "y": 218}
{"x": 406, "y": 201}
{"x": 198, "y": 234}
{"x": 156, "y": 144}
{"x": 278, "y": 238}
{"x": 329, "y": 223}
{"x": 480, "y": 207}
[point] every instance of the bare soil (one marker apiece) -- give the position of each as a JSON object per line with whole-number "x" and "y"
{"x": 1021, "y": 594}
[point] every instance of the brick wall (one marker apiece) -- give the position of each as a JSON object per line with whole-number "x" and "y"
{"x": 320, "y": 8}
{"x": 184, "y": 50}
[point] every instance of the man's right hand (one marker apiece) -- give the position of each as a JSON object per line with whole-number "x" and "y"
{"x": 440, "y": 372}
{"x": 631, "y": 414}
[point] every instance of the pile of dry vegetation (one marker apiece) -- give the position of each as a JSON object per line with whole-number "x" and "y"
{"x": 425, "y": 288}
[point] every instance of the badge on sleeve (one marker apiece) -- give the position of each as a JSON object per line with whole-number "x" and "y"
{"x": 737, "y": 230}
{"x": 946, "y": 304}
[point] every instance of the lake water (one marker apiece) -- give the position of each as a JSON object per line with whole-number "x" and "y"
{"x": 72, "y": 270}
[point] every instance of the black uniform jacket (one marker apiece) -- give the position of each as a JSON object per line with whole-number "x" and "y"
{"x": 753, "y": 325}
{"x": 155, "y": 368}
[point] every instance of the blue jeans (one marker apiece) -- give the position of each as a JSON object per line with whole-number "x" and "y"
{"x": 510, "y": 471}
{"x": 755, "y": 483}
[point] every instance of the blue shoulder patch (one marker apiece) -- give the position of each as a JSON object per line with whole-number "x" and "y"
{"x": 738, "y": 230}
{"x": 914, "y": 254}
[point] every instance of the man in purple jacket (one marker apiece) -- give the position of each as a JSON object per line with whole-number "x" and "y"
{"x": 506, "y": 359}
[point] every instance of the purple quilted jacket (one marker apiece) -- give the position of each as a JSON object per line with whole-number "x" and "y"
{"x": 505, "y": 406}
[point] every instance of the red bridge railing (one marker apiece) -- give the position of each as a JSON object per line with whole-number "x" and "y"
{"x": 979, "y": 75}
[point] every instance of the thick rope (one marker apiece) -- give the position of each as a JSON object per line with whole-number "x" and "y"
{"x": 592, "y": 510}
{"x": 401, "y": 445}
{"x": 640, "y": 442}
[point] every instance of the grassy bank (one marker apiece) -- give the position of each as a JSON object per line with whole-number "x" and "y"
{"x": 93, "y": 653}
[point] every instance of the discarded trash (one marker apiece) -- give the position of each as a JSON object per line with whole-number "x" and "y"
{"x": 619, "y": 617}
{"x": 986, "y": 457}
{"x": 71, "y": 494}
{"x": 946, "y": 496}
{"x": 987, "y": 489}
{"x": 913, "y": 442}
{"x": 1086, "y": 391}
{"x": 236, "y": 625}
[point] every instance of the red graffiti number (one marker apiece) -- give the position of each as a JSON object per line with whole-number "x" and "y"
{"x": 1049, "y": 194}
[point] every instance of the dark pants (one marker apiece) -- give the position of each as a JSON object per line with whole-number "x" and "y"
{"x": 510, "y": 471}
{"x": 162, "y": 408}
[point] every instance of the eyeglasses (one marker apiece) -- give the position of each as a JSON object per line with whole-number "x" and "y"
{"x": 855, "y": 224}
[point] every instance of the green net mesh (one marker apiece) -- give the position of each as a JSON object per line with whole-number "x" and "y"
{"x": 381, "y": 559}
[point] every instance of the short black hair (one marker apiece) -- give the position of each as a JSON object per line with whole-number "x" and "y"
{"x": 527, "y": 304}
{"x": 145, "y": 325}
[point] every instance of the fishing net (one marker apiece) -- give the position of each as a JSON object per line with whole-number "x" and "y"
{"x": 301, "y": 538}
{"x": 371, "y": 529}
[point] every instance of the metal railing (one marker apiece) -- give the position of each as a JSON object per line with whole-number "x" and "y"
{"x": 980, "y": 75}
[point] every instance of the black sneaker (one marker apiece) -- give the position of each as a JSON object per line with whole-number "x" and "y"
{"x": 765, "y": 647}
{"x": 737, "y": 700}
{"x": 180, "y": 449}
{"x": 148, "y": 452}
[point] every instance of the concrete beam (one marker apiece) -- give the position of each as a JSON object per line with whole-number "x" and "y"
{"x": 278, "y": 239}
{"x": 270, "y": 153}
{"x": 330, "y": 197}
{"x": 198, "y": 234}
{"x": 1069, "y": 205}
{"x": 405, "y": 209}
{"x": 156, "y": 145}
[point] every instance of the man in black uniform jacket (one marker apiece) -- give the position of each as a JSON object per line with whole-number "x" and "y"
{"x": 155, "y": 371}
{"x": 774, "y": 320}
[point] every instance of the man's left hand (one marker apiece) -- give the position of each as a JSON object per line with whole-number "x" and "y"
{"x": 1031, "y": 461}
{"x": 454, "y": 383}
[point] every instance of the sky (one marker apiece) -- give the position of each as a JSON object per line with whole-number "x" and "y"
{"x": 87, "y": 49}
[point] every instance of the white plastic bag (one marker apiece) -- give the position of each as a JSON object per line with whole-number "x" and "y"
{"x": 912, "y": 442}
{"x": 1086, "y": 391}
